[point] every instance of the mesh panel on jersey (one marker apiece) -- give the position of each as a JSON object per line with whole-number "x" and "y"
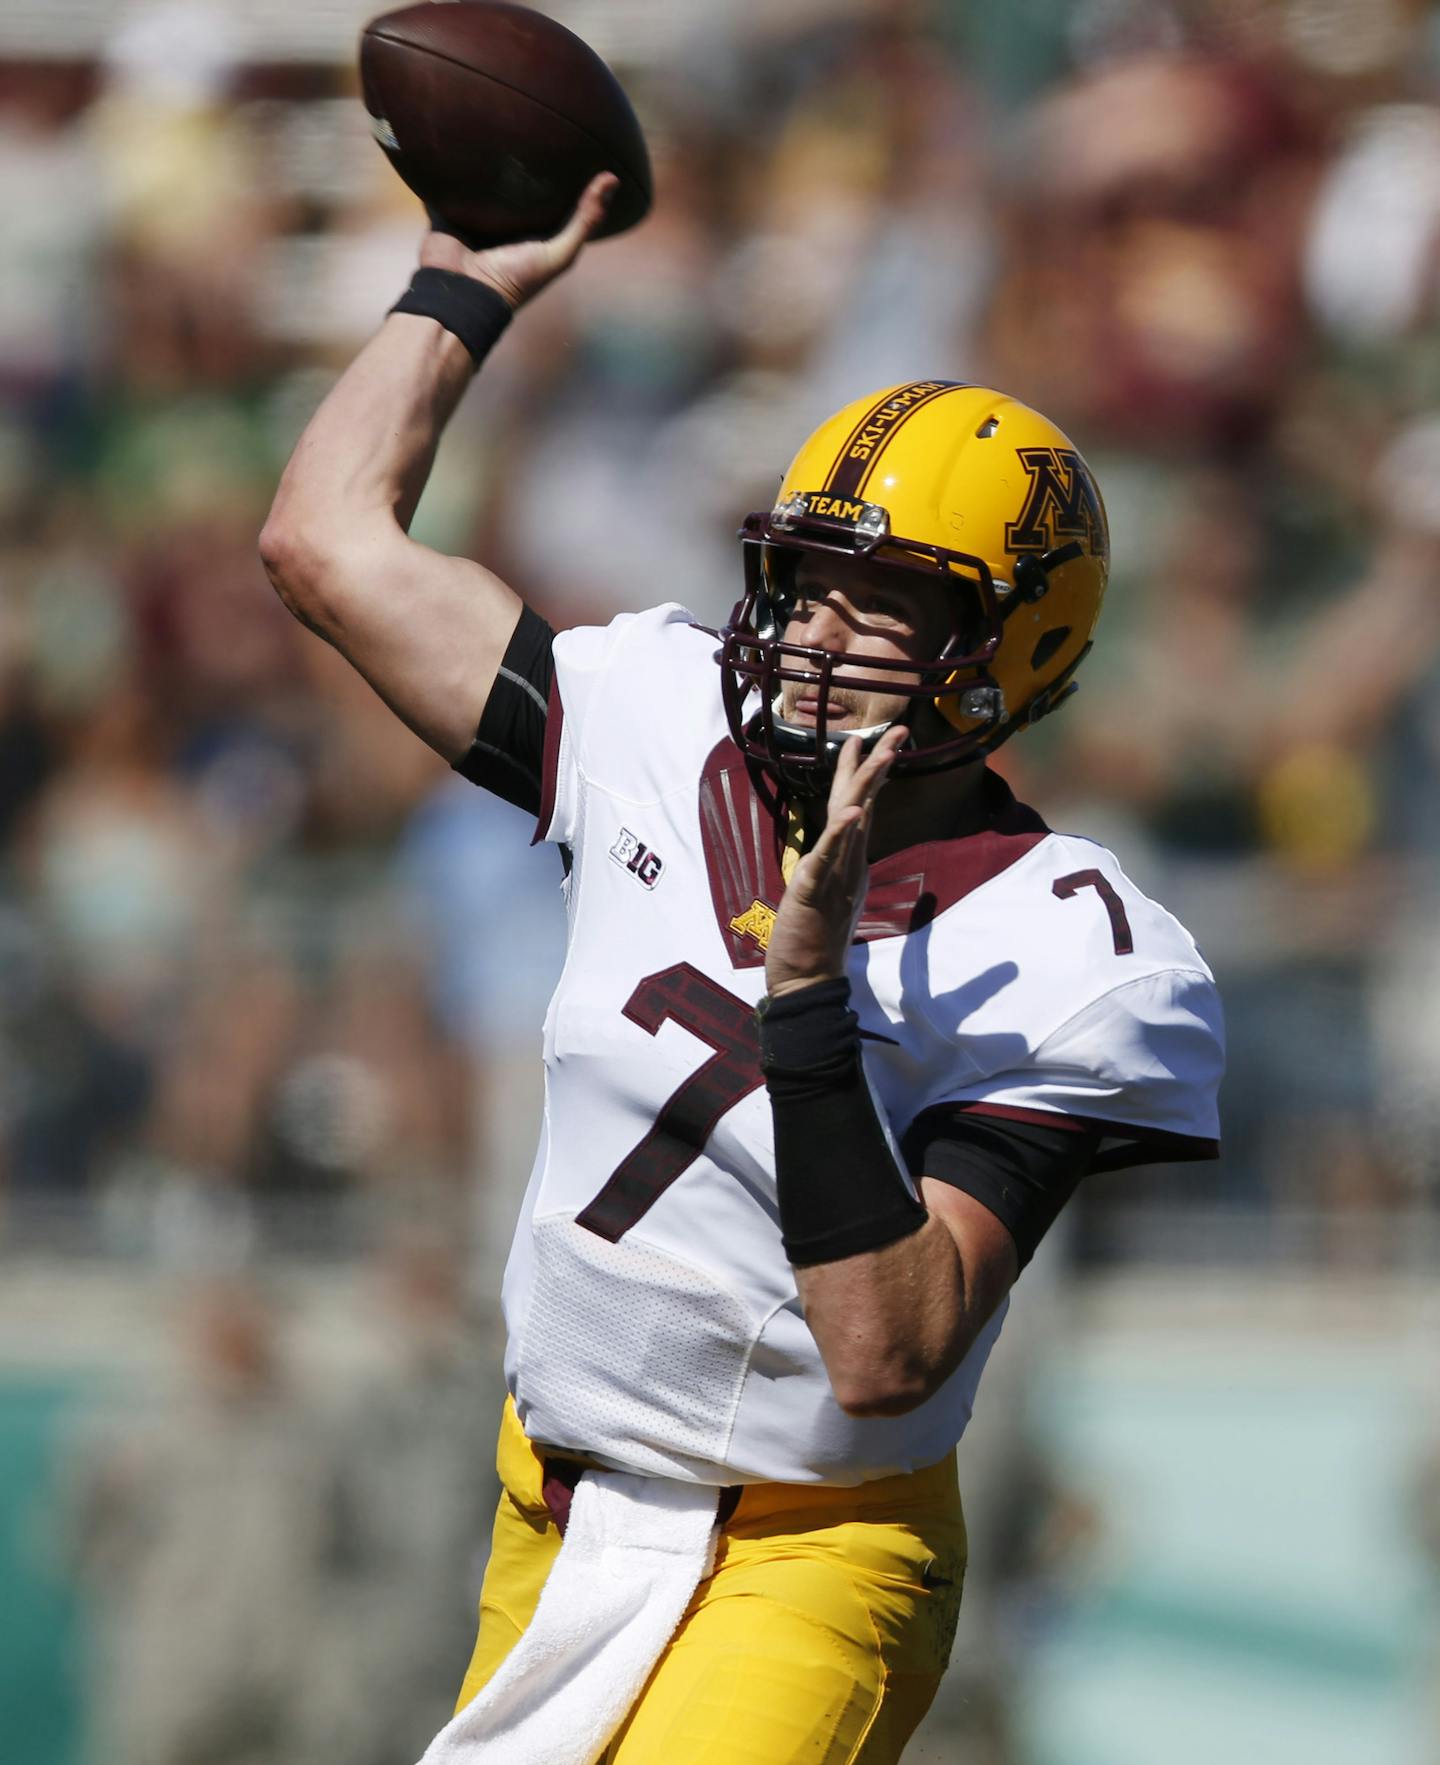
{"x": 630, "y": 1352}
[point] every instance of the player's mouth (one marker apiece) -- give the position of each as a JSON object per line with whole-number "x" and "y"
{"x": 806, "y": 709}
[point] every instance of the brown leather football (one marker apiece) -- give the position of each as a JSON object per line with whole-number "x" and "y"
{"x": 497, "y": 117}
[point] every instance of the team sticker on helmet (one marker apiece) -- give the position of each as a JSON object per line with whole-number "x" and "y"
{"x": 1061, "y": 504}
{"x": 632, "y": 854}
{"x": 837, "y": 508}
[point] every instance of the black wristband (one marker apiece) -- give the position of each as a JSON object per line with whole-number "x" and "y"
{"x": 811, "y": 1027}
{"x": 472, "y": 311}
{"x": 839, "y": 1188}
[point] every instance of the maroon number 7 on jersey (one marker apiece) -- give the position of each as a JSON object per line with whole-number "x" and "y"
{"x": 688, "y": 1116}
{"x": 1066, "y": 886}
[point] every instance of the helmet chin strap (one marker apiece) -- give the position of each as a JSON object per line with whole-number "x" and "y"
{"x": 799, "y": 738}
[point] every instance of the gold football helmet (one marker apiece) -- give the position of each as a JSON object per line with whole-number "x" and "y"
{"x": 956, "y": 484}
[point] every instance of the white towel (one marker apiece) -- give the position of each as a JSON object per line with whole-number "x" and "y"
{"x": 635, "y": 1550}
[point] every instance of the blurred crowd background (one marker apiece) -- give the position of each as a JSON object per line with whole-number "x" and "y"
{"x": 271, "y": 978}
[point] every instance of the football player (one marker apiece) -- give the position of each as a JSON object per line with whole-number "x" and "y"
{"x": 841, "y": 1027}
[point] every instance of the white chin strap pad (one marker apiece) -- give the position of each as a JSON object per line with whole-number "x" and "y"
{"x": 797, "y": 732}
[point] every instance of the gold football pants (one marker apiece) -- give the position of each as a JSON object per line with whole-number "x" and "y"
{"x": 820, "y": 1636}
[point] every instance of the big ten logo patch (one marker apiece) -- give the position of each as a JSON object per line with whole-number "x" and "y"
{"x": 636, "y": 857}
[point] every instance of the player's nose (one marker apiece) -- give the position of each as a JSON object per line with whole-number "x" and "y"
{"x": 819, "y": 625}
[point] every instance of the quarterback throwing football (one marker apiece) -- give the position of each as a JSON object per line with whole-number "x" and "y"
{"x": 841, "y": 1027}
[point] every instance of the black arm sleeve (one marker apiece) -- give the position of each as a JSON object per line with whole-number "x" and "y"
{"x": 839, "y": 1188}
{"x": 1024, "y": 1172}
{"x": 508, "y": 751}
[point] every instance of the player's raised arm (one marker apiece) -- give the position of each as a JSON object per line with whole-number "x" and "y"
{"x": 427, "y": 631}
{"x": 895, "y": 1290}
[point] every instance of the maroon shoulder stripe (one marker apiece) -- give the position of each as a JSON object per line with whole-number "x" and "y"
{"x": 870, "y": 436}
{"x": 1040, "y": 1118}
{"x": 1126, "y": 1145}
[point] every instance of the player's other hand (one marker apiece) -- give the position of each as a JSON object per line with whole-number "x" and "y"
{"x": 521, "y": 270}
{"x": 816, "y": 919}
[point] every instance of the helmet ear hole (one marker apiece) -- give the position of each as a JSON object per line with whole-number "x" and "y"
{"x": 1049, "y": 643}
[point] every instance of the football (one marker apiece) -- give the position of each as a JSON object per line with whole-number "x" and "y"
{"x": 497, "y": 117}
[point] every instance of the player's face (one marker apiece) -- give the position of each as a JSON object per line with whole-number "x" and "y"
{"x": 860, "y": 609}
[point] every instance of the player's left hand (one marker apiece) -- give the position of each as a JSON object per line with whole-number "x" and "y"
{"x": 817, "y": 915}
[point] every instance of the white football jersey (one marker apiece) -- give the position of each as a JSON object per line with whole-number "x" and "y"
{"x": 652, "y": 1314}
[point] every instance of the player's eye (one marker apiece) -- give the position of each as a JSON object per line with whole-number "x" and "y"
{"x": 882, "y": 608}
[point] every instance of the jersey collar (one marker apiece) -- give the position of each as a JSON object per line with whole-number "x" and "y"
{"x": 907, "y": 889}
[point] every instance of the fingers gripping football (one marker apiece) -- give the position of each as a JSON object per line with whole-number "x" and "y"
{"x": 816, "y": 918}
{"x": 519, "y": 271}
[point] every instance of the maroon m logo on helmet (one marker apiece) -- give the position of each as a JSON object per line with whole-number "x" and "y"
{"x": 1061, "y": 504}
